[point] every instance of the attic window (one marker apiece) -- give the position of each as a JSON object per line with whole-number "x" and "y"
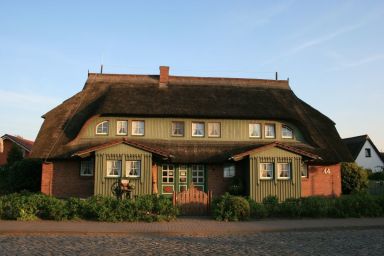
{"x": 102, "y": 128}
{"x": 214, "y": 130}
{"x": 254, "y": 130}
{"x": 198, "y": 129}
{"x": 178, "y": 128}
{"x": 138, "y": 128}
{"x": 367, "y": 152}
{"x": 270, "y": 131}
{"x": 286, "y": 132}
{"x": 121, "y": 127}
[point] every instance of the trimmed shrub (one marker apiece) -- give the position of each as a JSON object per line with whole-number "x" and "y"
{"x": 75, "y": 208}
{"x": 358, "y": 205}
{"x": 101, "y": 209}
{"x": 230, "y": 208}
{"x": 258, "y": 211}
{"x": 376, "y": 176}
{"x": 315, "y": 206}
{"x": 271, "y": 204}
{"x": 291, "y": 208}
{"x": 354, "y": 179}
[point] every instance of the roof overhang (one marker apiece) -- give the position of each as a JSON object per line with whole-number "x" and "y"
{"x": 88, "y": 151}
{"x": 275, "y": 144}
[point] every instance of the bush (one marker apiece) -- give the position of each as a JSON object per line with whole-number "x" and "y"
{"x": 315, "y": 206}
{"x": 290, "y": 208}
{"x": 24, "y": 175}
{"x": 354, "y": 179}
{"x": 376, "y": 176}
{"x": 230, "y": 208}
{"x": 358, "y": 205}
{"x": 271, "y": 204}
{"x": 258, "y": 211}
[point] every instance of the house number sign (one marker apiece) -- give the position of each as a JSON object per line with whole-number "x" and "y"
{"x": 327, "y": 171}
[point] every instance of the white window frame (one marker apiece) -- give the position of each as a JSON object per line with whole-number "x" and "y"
{"x": 195, "y": 128}
{"x": 286, "y": 128}
{"x": 169, "y": 169}
{"x": 229, "y": 171}
{"x": 264, "y": 169}
{"x": 251, "y": 129}
{"x": 175, "y": 128}
{"x": 267, "y": 130}
{"x": 132, "y": 166}
{"x": 104, "y": 125}
{"x": 136, "y": 129}
{"x": 368, "y": 152}
{"x": 280, "y": 169}
{"x": 197, "y": 178}
{"x": 86, "y": 167}
{"x": 183, "y": 170}
{"x": 119, "y": 126}
{"x": 114, "y": 164}
{"x": 211, "y": 128}
{"x": 304, "y": 169}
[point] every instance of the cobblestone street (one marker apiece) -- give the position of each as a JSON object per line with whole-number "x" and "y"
{"x": 321, "y": 242}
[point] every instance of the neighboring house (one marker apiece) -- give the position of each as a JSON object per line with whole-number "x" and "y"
{"x": 8, "y": 141}
{"x": 164, "y": 132}
{"x": 364, "y": 152}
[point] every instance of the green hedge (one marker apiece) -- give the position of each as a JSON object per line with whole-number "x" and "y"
{"x": 27, "y": 206}
{"x": 356, "y": 205}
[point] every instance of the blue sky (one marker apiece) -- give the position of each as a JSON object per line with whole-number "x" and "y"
{"x": 332, "y": 51}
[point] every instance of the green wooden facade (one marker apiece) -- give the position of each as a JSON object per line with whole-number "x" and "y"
{"x": 161, "y": 129}
{"x": 282, "y": 188}
{"x": 103, "y": 183}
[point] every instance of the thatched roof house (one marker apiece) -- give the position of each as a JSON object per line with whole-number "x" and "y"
{"x": 68, "y": 129}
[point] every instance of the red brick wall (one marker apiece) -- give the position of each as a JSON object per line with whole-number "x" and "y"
{"x": 7, "y": 145}
{"x": 322, "y": 180}
{"x": 65, "y": 180}
{"x": 216, "y": 181}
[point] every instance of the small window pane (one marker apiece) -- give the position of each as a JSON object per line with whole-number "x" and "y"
{"x": 254, "y": 130}
{"x": 266, "y": 170}
{"x": 197, "y": 129}
{"x": 283, "y": 170}
{"x": 102, "y": 128}
{"x": 287, "y": 133}
{"x": 177, "y": 128}
{"x": 121, "y": 127}
{"x": 269, "y": 131}
{"x": 198, "y": 173}
{"x": 133, "y": 168}
{"x": 86, "y": 168}
{"x": 229, "y": 171}
{"x": 367, "y": 152}
{"x": 114, "y": 168}
{"x": 137, "y": 127}
{"x": 304, "y": 170}
{"x": 167, "y": 173}
{"x": 214, "y": 130}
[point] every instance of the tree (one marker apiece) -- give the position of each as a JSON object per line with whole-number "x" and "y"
{"x": 25, "y": 175}
{"x": 14, "y": 155}
{"x": 354, "y": 178}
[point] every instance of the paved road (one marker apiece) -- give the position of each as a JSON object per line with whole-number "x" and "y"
{"x": 195, "y": 237}
{"x": 322, "y": 242}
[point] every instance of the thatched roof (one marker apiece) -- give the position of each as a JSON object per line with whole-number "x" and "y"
{"x": 183, "y": 97}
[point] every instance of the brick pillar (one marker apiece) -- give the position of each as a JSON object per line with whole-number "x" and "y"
{"x": 46, "y": 178}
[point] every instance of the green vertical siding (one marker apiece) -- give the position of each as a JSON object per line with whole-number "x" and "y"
{"x": 160, "y": 128}
{"x": 281, "y": 188}
{"x": 143, "y": 184}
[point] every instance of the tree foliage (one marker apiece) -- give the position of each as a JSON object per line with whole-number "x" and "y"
{"x": 354, "y": 179}
{"x": 14, "y": 155}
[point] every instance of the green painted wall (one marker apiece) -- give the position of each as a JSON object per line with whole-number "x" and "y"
{"x": 283, "y": 189}
{"x": 160, "y": 128}
{"x": 143, "y": 185}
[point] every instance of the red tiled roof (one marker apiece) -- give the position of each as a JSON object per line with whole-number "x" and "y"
{"x": 24, "y": 143}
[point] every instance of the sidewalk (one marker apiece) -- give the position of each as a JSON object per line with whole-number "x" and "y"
{"x": 188, "y": 226}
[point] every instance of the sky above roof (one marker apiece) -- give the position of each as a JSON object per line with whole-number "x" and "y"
{"x": 332, "y": 52}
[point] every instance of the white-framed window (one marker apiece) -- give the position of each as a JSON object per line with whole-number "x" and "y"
{"x": 198, "y": 129}
{"x": 122, "y": 127}
{"x": 367, "y": 152}
{"x": 138, "y": 128}
{"x": 286, "y": 132}
{"x": 168, "y": 173}
{"x": 178, "y": 128}
{"x": 304, "y": 170}
{"x": 229, "y": 171}
{"x": 197, "y": 173}
{"x": 102, "y": 128}
{"x": 113, "y": 168}
{"x": 283, "y": 170}
{"x": 183, "y": 174}
{"x": 254, "y": 130}
{"x": 266, "y": 171}
{"x": 86, "y": 167}
{"x": 133, "y": 168}
{"x": 269, "y": 131}
{"x": 214, "y": 129}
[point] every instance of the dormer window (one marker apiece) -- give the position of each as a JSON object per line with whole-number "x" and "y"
{"x": 286, "y": 132}
{"x": 254, "y": 130}
{"x": 102, "y": 128}
{"x": 214, "y": 130}
{"x": 178, "y": 128}
{"x": 197, "y": 129}
{"x": 270, "y": 131}
{"x": 138, "y": 128}
{"x": 122, "y": 127}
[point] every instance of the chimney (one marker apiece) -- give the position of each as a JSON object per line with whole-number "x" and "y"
{"x": 164, "y": 76}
